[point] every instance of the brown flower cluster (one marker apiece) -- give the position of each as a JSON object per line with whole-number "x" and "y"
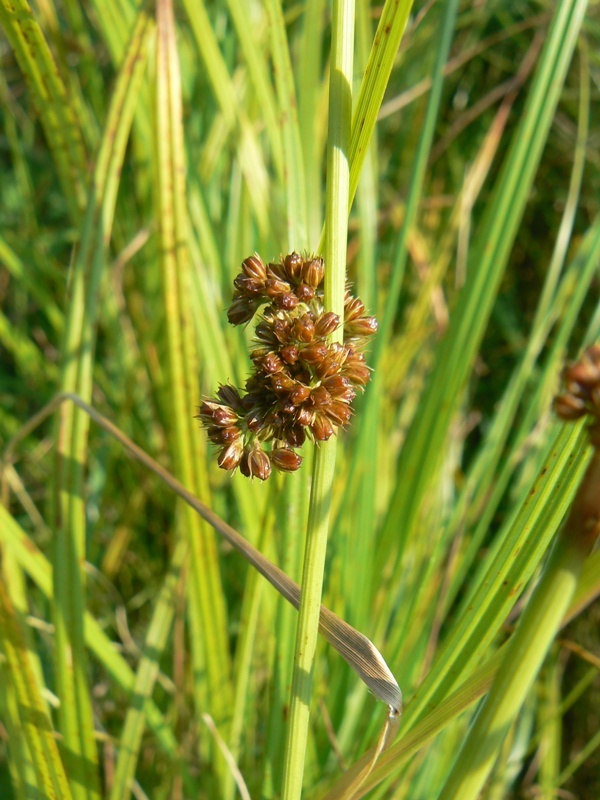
{"x": 302, "y": 385}
{"x": 582, "y": 391}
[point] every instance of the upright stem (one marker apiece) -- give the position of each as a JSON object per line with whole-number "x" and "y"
{"x": 336, "y": 222}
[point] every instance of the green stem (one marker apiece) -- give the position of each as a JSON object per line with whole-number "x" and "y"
{"x": 530, "y": 643}
{"x": 336, "y": 222}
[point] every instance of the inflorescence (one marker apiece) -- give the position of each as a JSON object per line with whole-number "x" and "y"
{"x": 582, "y": 392}
{"x": 302, "y": 385}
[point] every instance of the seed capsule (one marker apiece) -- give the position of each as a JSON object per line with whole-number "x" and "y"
{"x": 312, "y": 272}
{"x": 340, "y": 413}
{"x": 290, "y": 353}
{"x": 353, "y": 308}
{"x": 326, "y": 324}
{"x": 286, "y": 302}
{"x": 303, "y": 329}
{"x": 254, "y": 268}
{"x": 340, "y": 388}
{"x": 361, "y": 327}
{"x": 304, "y": 416}
{"x": 230, "y": 456}
{"x": 293, "y": 265}
{"x": 274, "y": 287}
{"x": 320, "y": 397}
{"x": 282, "y": 383}
{"x": 241, "y": 310}
{"x": 294, "y": 435}
{"x": 321, "y": 428}
{"x": 299, "y": 395}
{"x": 259, "y": 465}
{"x": 569, "y": 408}
{"x": 271, "y": 363}
{"x": 248, "y": 287}
{"x": 305, "y": 293}
{"x": 286, "y": 460}
{"x": 314, "y": 353}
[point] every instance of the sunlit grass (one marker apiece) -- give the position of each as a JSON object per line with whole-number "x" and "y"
{"x": 146, "y": 152}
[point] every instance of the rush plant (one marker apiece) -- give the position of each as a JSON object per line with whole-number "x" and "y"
{"x": 438, "y": 157}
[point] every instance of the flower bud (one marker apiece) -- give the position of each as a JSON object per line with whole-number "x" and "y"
{"x": 353, "y": 308}
{"x": 286, "y": 460}
{"x": 275, "y": 287}
{"x": 230, "y": 456}
{"x": 321, "y": 428}
{"x": 360, "y": 327}
{"x": 230, "y": 396}
{"x": 305, "y": 293}
{"x": 293, "y": 265}
{"x": 303, "y": 329}
{"x": 254, "y": 268}
{"x": 314, "y": 353}
{"x": 326, "y": 324}
{"x": 290, "y": 353}
{"x": 569, "y": 408}
{"x": 312, "y": 272}
{"x": 241, "y": 310}
{"x": 339, "y": 413}
{"x": 259, "y": 465}
{"x": 299, "y": 395}
{"x": 320, "y": 397}
{"x": 286, "y": 302}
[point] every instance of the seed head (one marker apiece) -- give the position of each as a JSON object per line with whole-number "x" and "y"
{"x": 582, "y": 392}
{"x": 302, "y": 384}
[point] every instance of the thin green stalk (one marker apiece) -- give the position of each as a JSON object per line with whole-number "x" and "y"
{"x": 76, "y": 718}
{"x": 337, "y": 196}
{"x": 207, "y": 614}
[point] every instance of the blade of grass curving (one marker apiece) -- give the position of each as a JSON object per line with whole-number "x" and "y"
{"x": 529, "y": 645}
{"x": 309, "y": 100}
{"x": 19, "y": 761}
{"x": 249, "y": 153}
{"x": 338, "y": 181}
{"x": 20, "y": 273}
{"x": 206, "y": 604}
{"x": 484, "y": 492}
{"x": 440, "y": 715}
{"x": 355, "y": 648}
{"x": 21, "y": 764}
{"x": 51, "y": 99}
{"x": 38, "y": 568}
{"x": 422, "y": 450}
{"x": 294, "y": 186}
{"x": 390, "y": 29}
{"x": 35, "y": 725}
{"x": 75, "y": 713}
{"x": 146, "y": 675}
{"x": 258, "y": 70}
{"x": 508, "y": 569}
{"x": 359, "y": 544}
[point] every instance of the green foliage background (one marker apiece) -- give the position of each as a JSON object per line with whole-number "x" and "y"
{"x": 141, "y": 163}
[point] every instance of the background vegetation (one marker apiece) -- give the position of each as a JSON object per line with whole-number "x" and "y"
{"x": 145, "y": 152}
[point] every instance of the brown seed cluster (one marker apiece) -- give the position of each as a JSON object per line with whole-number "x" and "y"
{"x": 302, "y": 385}
{"x": 582, "y": 392}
